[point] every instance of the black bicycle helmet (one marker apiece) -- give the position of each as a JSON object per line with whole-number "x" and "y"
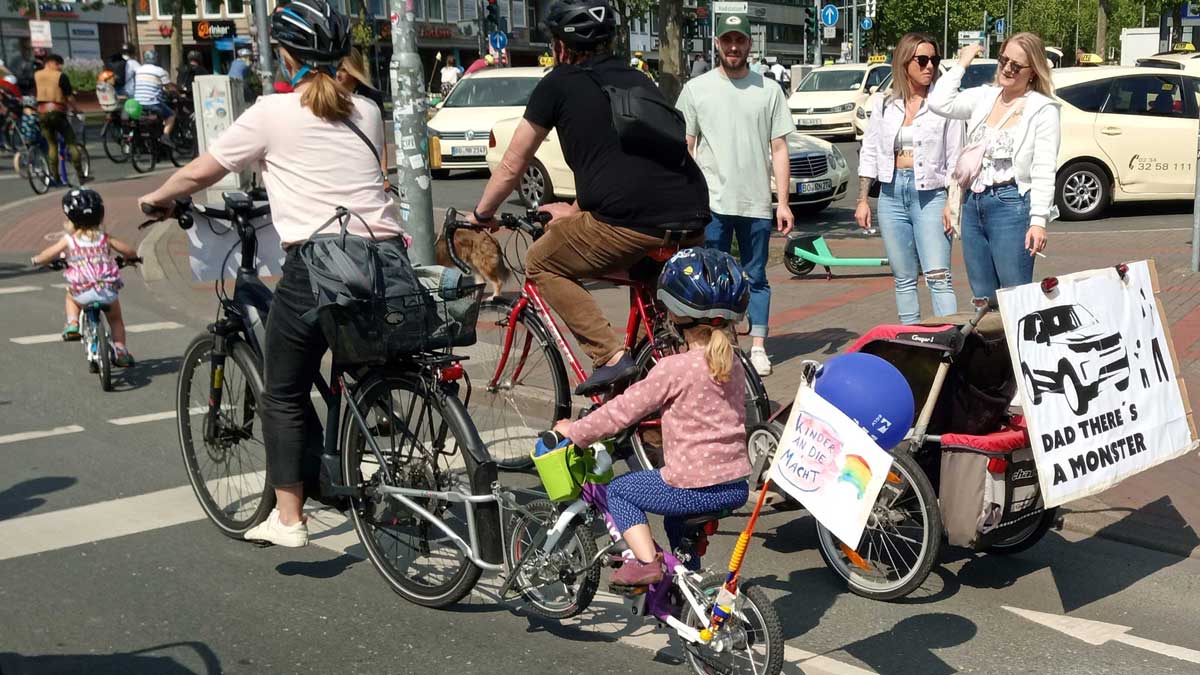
{"x": 706, "y": 285}
{"x": 312, "y": 32}
{"x": 84, "y": 207}
{"x": 582, "y": 23}
{"x": 194, "y": 56}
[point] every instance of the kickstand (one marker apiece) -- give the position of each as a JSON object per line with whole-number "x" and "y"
{"x": 828, "y": 273}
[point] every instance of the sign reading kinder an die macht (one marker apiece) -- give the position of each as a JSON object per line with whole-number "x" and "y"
{"x": 1098, "y": 378}
{"x": 830, "y": 465}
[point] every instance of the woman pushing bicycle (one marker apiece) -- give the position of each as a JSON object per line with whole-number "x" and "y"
{"x": 701, "y": 394}
{"x": 317, "y": 149}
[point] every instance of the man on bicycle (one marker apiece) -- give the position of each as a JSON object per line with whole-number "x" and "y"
{"x": 189, "y": 72}
{"x": 629, "y": 204}
{"x": 148, "y": 90}
{"x": 54, "y": 98}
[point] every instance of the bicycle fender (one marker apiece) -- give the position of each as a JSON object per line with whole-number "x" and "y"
{"x": 483, "y": 474}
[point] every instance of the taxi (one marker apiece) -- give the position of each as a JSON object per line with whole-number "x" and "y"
{"x": 1123, "y": 133}
{"x": 1189, "y": 62}
{"x": 824, "y": 104}
{"x": 981, "y": 71}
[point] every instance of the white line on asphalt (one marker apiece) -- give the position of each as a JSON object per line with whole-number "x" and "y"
{"x": 9, "y": 290}
{"x": 153, "y": 417}
{"x": 62, "y": 286}
{"x": 32, "y": 435}
{"x": 129, "y": 328}
{"x": 1157, "y": 229}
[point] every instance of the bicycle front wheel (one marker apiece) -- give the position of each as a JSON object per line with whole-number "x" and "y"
{"x": 223, "y": 451}
{"x": 114, "y": 143}
{"x": 77, "y": 177}
{"x": 750, "y": 640}
{"x": 902, "y": 540}
{"x": 104, "y": 353}
{"x": 39, "y": 173}
{"x": 143, "y": 153}
{"x": 530, "y": 391}
{"x": 421, "y": 436}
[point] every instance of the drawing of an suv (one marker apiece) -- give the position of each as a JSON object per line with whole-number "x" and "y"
{"x": 1065, "y": 350}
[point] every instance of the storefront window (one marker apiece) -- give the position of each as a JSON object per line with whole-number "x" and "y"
{"x": 143, "y": 9}
{"x": 235, "y": 7}
{"x": 434, "y": 10}
{"x": 166, "y": 8}
{"x": 212, "y": 8}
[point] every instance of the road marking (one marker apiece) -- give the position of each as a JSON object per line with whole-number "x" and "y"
{"x": 10, "y": 290}
{"x": 129, "y": 328}
{"x": 1156, "y": 229}
{"x": 153, "y": 417}
{"x": 32, "y": 435}
{"x": 1097, "y": 633}
{"x": 62, "y": 286}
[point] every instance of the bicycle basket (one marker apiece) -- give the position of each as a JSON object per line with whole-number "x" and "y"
{"x": 564, "y": 471}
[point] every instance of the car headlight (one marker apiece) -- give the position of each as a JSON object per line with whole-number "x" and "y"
{"x": 844, "y": 108}
{"x": 837, "y": 158}
{"x": 861, "y": 113}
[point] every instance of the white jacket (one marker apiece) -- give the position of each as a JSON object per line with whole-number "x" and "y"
{"x": 1037, "y": 134}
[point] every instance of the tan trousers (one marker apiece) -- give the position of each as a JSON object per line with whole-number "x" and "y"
{"x": 580, "y": 247}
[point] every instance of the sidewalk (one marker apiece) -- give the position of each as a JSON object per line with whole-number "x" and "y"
{"x": 811, "y": 318}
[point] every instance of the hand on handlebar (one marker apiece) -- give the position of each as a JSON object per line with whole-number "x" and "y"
{"x": 558, "y": 210}
{"x": 492, "y": 223}
{"x": 156, "y": 209}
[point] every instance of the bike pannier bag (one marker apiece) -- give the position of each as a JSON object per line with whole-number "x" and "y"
{"x": 988, "y": 488}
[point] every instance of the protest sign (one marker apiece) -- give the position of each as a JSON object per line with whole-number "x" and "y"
{"x": 830, "y": 465}
{"x": 1098, "y": 377}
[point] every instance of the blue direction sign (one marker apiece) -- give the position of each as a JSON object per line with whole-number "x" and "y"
{"x": 1000, "y": 25}
{"x": 498, "y": 41}
{"x": 829, "y": 15}
{"x": 866, "y": 23}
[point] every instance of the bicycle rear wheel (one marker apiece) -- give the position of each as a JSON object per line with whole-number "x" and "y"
{"x": 421, "y": 436}
{"x": 563, "y": 582}
{"x": 228, "y": 467}
{"x": 114, "y": 143}
{"x": 531, "y": 391}
{"x": 902, "y": 540}
{"x": 39, "y": 172}
{"x": 750, "y": 640}
{"x": 104, "y": 353}
{"x": 143, "y": 153}
{"x": 183, "y": 142}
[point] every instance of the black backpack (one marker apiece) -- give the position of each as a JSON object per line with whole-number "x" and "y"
{"x": 645, "y": 122}
{"x": 116, "y": 64}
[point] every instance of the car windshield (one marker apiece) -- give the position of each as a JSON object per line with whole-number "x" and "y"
{"x": 977, "y": 74}
{"x": 832, "y": 80}
{"x": 1059, "y": 320}
{"x": 480, "y": 92}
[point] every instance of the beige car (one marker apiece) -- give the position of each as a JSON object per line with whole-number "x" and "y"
{"x": 459, "y": 130}
{"x": 981, "y": 71}
{"x": 1188, "y": 62}
{"x": 1128, "y": 134}
{"x": 825, "y": 102}
{"x": 820, "y": 174}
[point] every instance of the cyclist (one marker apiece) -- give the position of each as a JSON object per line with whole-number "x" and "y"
{"x": 92, "y": 274}
{"x": 188, "y": 74}
{"x": 55, "y": 97}
{"x": 148, "y": 90}
{"x": 701, "y": 394}
{"x": 629, "y": 204}
{"x": 311, "y": 162}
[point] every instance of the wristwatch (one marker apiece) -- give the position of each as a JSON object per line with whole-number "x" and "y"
{"x": 481, "y": 219}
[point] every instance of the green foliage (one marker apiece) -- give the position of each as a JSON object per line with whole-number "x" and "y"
{"x": 361, "y": 34}
{"x": 83, "y": 73}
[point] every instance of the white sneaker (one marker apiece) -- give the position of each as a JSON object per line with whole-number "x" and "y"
{"x": 760, "y": 361}
{"x": 274, "y": 532}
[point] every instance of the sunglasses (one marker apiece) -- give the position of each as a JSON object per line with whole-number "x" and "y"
{"x": 924, "y": 61}
{"x": 1008, "y": 64}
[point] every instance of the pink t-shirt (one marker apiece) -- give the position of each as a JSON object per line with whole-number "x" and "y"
{"x": 703, "y": 421}
{"x": 310, "y": 166}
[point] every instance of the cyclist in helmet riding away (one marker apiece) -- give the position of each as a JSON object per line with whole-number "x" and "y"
{"x": 190, "y": 71}
{"x": 312, "y": 162}
{"x": 701, "y": 395}
{"x": 148, "y": 90}
{"x": 629, "y": 204}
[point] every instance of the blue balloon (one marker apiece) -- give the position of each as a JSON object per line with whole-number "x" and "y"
{"x": 870, "y": 391}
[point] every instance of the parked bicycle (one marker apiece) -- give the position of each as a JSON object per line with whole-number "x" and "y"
{"x": 94, "y": 331}
{"x": 518, "y": 364}
{"x": 42, "y": 176}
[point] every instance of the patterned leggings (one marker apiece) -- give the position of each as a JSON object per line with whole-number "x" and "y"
{"x": 631, "y": 495}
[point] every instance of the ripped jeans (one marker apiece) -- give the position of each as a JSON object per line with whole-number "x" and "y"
{"x": 910, "y": 221}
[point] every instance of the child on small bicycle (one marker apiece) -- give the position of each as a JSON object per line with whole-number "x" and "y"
{"x": 701, "y": 393}
{"x": 92, "y": 274}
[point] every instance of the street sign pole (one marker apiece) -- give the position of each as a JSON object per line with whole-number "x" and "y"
{"x": 854, "y": 45}
{"x": 408, "y": 120}
{"x": 1196, "y": 213}
{"x": 266, "y": 65}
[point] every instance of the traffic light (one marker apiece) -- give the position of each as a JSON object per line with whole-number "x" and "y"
{"x": 989, "y": 24}
{"x": 811, "y": 24}
{"x": 491, "y": 16}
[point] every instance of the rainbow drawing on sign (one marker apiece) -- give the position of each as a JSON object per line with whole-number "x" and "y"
{"x": 857, "y": 473}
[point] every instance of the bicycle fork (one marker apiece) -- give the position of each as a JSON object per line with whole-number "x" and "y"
{"x": 216, "y": 386}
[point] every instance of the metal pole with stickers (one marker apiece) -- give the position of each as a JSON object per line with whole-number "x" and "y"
{"x": 408, "y": 119}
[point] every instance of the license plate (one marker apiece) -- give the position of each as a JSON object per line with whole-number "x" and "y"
{"x": 814, "y": 186}
{"x": 468, "y": 151}
{"x": 808, "y": 123}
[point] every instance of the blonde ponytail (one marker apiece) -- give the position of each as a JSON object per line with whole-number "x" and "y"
{"x": 326, "y": 99}
{"x": 718, "y": 354}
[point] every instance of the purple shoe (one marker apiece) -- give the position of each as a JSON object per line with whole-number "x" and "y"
{"x": 638, "y": 573}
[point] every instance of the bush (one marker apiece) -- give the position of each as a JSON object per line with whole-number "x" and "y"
{"x": 83, "y": 73}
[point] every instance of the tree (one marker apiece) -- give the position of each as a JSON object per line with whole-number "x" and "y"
{"x": 672, "y": 66}
{"x": 627, "y": 11}
{"x": 177, "y": 37}
{"x": 1102, "y": 28}
{"x": 131, "y": 31}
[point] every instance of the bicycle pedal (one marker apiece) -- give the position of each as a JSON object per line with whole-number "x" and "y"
{"x": 628, "y": 591}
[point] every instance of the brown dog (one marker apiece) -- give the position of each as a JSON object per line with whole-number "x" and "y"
{"x": 482, "y": 252}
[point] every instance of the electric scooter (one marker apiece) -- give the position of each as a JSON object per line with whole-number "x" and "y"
{"x": 805, "y": 251}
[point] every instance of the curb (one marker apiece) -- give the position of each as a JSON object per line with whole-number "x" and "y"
{"x": 152, "y": 269}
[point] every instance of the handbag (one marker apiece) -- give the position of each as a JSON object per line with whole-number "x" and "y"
{"x": 970, "y": 159}
{"x": 646, "y": 124}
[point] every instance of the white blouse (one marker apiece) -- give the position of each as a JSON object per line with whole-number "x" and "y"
{"x": 997, "y": 166}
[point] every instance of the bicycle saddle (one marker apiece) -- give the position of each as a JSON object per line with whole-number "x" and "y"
{"x": 700, "y": 519}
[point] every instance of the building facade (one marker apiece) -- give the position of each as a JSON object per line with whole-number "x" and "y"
{"x": 76, "y": 32}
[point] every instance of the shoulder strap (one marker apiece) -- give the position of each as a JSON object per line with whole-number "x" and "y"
{"x": 359, "y": 132}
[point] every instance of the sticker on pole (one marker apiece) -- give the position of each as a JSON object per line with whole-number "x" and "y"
{"x": 830, "y": 465}
{"x": 498, "y": 41}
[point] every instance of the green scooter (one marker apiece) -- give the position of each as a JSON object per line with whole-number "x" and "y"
{"x": 805, "y": 251}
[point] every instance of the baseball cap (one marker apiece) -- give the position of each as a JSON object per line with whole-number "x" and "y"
{"x": 734, "y": 22}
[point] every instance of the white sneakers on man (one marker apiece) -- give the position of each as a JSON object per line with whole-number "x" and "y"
{"x": 274, "y": 532}
{"x": 760, "y": 361}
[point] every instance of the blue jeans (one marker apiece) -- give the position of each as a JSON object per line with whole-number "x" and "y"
{"x": 910, "y": 221}
{"x": 994, "y": 224}
{"x": 754, "y": 244}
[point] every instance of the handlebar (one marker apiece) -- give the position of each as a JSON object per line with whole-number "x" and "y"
{"x": 60, "y": 264}
{"x": 533, "y": 223}
{"x": 237, "y": 205}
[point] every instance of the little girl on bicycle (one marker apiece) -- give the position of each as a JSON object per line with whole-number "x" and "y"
{"x": 701, "y": 393}
{"x": 92, "y": 274}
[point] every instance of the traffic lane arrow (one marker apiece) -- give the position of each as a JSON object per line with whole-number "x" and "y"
{"x": 1097, "y": 633}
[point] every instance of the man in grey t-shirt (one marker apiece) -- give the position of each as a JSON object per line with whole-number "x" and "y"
{"x": 737, "y": 127}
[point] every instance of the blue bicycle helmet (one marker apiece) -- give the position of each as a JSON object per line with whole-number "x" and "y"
{"x": 706, "y": 285}
{"x": 870, "y": 391}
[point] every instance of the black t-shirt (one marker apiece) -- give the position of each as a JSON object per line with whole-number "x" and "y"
{"x": 372, "y": 93}
{"x": 619, "y": 188}
{"x": 188, "y": 75}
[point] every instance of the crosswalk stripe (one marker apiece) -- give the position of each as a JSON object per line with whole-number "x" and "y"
{"x": 10, "y": 290}
{"x": 32, "y": 435}
{"x": 152, "y": 417}
{"x": 129, "y": 328}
